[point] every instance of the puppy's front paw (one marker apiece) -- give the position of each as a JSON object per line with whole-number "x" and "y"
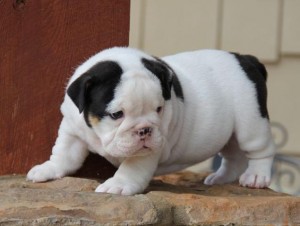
{"x": 44, "y": 172}
{"x": 255, "y": 179}
{"x": 122, "y": 186}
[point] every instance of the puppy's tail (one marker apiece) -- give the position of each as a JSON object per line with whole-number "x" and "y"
{"x": 256, "y": 63}
{"x": 251, "y": 63}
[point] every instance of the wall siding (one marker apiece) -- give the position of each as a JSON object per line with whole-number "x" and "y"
{"x": 252, "y": 27}
{"x": 291, "y": 27}
{"x": 170, "y": 26}
{"x": 268, "y": 29}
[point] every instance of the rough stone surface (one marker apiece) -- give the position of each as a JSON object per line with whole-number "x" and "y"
{"x": 175, "y": 199}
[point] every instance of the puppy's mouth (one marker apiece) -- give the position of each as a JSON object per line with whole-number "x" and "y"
{"x": 128, "y": 148}
{"x": 143, "y": 150}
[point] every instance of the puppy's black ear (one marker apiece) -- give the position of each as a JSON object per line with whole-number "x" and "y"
{"x": 100, "y": 74}
{"x": 78, "y": 90}
{"x": 159, "y": 69}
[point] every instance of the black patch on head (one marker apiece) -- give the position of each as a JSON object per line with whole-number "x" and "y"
{"x": 94, "y": 89}
{"x": 166, "y": 76}
{"x": 257, "y": 73}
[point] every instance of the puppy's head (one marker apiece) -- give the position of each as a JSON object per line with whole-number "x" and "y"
{"x": 125, "y": 105}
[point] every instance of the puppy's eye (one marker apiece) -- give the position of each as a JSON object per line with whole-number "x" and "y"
{"x": 116, "y": 115}
{"x": 158, "y": 109}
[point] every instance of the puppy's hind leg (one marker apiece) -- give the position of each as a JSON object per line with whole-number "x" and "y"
{"x": 252, "y": 127}
{"x": 259, "y": 147}
{"x": 234, "y": 163}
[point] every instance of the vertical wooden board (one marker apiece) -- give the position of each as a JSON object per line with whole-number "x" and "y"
{"x": 137, "y": 8}
{"x": 170, "y": 26}
{"x": 291, "y": 27}
{"x": 41, "y": 44}
{"x": 252, "y": 26}
{"x": 283, "y": 100}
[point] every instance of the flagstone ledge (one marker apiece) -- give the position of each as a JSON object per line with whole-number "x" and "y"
{"x": 174, "y": 199}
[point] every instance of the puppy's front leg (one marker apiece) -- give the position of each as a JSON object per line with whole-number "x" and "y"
{"x": 68, "y": 154}
{"x": 133, "y": 175}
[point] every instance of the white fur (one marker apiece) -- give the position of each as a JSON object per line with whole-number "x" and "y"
{"x": 219, "y": 113}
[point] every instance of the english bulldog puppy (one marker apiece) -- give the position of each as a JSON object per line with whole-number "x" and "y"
{"x": 151, "y": 116}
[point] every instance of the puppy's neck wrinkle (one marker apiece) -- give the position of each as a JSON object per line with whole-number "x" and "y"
{"x": 177, "y": 121}
{"x": 174, "y": 129}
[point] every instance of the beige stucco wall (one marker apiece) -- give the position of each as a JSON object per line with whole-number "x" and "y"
{"x": 268, "y": 29}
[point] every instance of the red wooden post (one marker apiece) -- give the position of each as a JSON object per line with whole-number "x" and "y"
{"x": 41, "y": 42}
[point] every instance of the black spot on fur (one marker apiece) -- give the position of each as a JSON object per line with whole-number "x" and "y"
{"x": 257, "y": 73}
{"x": 175, "y": 81}
{"x": 162, "y": 73}
{"x": 166, "y": 76}
{"x": 93, "y": 90}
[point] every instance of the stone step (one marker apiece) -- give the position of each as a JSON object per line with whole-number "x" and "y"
{"x": 175, "y": 199}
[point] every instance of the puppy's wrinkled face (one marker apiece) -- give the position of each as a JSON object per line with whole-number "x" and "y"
{"x": 124, "y": 108}
{"x": 131, "y": 124}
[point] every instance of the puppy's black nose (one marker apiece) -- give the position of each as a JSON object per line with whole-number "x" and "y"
{"x": 146, "y": 131}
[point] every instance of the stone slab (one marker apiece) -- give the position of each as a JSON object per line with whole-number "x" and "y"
{"x": 175, "y": 199}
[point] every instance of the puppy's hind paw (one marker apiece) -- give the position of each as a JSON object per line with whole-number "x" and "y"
{"x": 258, "y": 173}
{"x": 255, "y": 180}
{"x": 214, "y": 178}
{"x": 222, "y": 176}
